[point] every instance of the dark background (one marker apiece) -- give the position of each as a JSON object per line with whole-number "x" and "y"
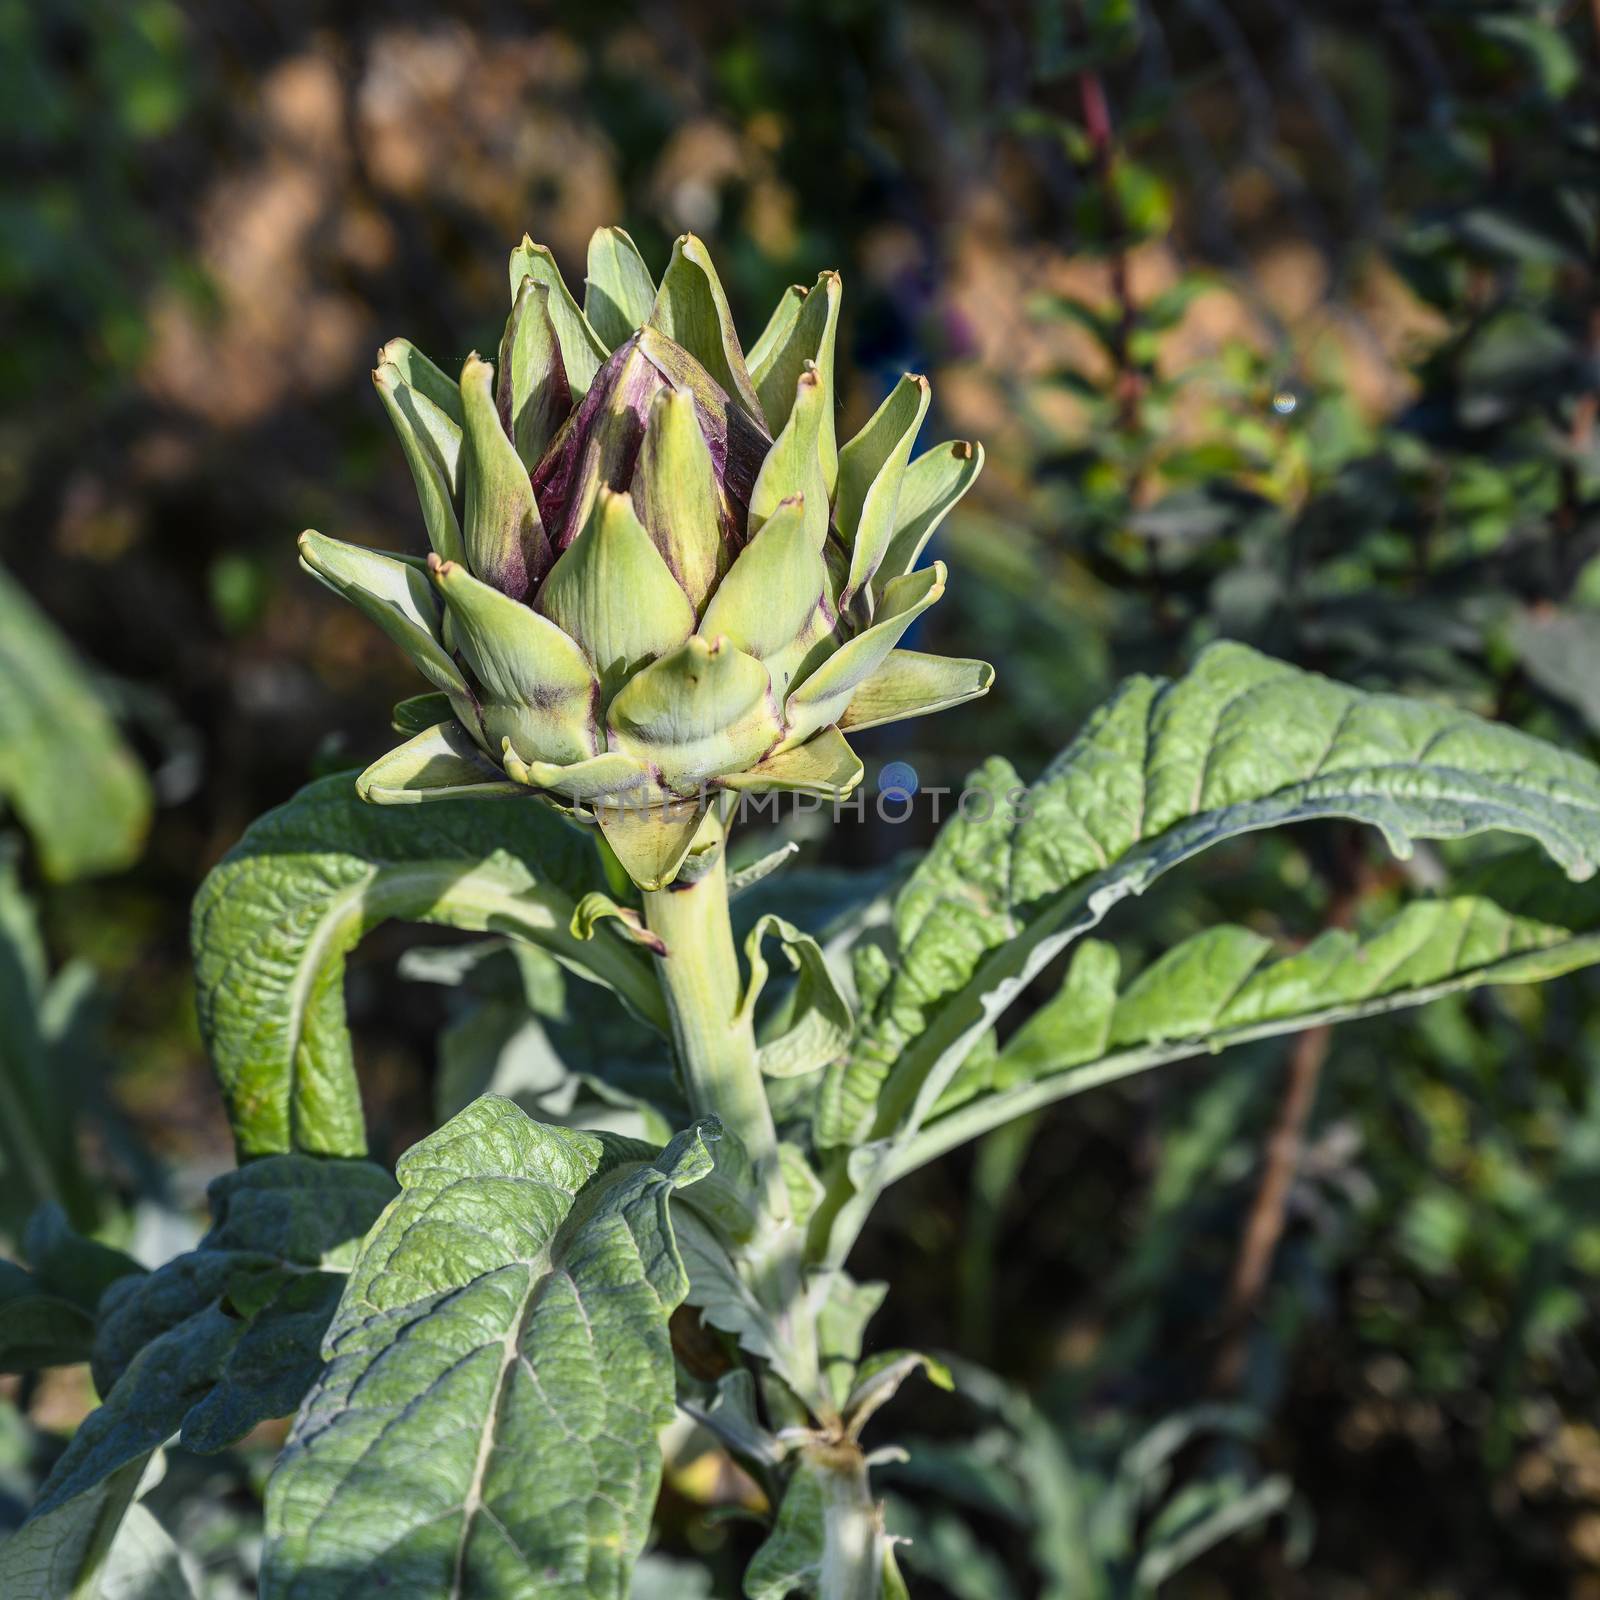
{"x": 1278, "y": 319}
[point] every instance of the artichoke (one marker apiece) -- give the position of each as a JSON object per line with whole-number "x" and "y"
{"x": 655, "y": 573}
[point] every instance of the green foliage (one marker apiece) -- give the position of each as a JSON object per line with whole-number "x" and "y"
{"x": 275, "y": 919}
{"x": 819, "y": 1021}
{"x": 101, "y": 1543}
{"x": 792, "y": 1556}
{"x": 49, "y": 1309}
{"x": 498, "y": 1368}
{"x": 524, "y": 1028}
{"x": 227, "y": 1335}
{"x": 1098, "y": 1509}
{"x": 39, "y": 1038}
{"x": 1163, "y": 772}
{"x": 1221, "y": 987}
{"x": 64, "y": 768}
{"x": 1441, "y": 1233}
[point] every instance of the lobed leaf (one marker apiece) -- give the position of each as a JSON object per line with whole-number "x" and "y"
{"x": 1223, "y": 986}
{"x": 1160, "y": 773}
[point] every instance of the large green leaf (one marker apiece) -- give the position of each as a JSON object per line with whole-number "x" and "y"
{"x": 275, "y": 919}
{"x": 498, "y": 1369}
{"x": 1164, "y": 770}
{"x": 64, "y": 768}
{"x": 229, "y": 1334}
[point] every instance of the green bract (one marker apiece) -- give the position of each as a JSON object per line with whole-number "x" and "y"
{"x": 655, "y": 572}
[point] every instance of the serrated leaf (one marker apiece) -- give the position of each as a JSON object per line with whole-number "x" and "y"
{"x": 718, "y": 1290}
{"x": 64, "y": 768}
{"x": 1163, "y": 771}
{"x": 498, "y": 1368}
{"x": 730, "y": 1412}
{"x": 275, "y": 919}
{"x": 946, "y": 918}
{"x": 229, "y": 1334}
{"x": 1222, "y": 987}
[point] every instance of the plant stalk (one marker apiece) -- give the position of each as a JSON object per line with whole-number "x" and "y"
{"x": 714, "y": 1035}
{"x": 715, "y": 1042}
{"x": 854, "y": 1547}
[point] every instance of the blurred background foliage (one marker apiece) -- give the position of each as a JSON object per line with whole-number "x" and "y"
{"x": 1280, "y": 320}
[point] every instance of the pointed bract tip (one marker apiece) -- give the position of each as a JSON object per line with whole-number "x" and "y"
{"x": 516, "y": 769}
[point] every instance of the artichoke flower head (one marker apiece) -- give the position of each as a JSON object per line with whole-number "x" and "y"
{"x": 655, "y": 573}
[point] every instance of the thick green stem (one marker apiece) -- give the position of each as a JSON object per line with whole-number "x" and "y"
{"x": 716, "y": 1046}
{"x": 715, "y": 1041}
{"x": 853, "y": 1542}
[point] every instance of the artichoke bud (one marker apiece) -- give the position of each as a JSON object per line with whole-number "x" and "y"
{"x": 655, "y": 573}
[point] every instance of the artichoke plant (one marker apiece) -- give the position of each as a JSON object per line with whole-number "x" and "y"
{"x": 655, "y": 573}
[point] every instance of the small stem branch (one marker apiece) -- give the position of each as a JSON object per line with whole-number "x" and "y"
{"x": 1264, "y": 1228}
{"x": 1351, "y": 877}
